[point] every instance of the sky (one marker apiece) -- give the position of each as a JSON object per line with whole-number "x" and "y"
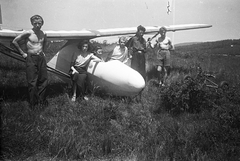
{"x": 223, "y": 15}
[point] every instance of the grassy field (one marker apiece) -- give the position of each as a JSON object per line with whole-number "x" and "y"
{"x": 183, "y": 121}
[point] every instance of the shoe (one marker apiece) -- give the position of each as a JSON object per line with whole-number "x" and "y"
{"x": 160, "y": 84}
{"x": 85, "y": 98}
{"x": 73, "y": 99}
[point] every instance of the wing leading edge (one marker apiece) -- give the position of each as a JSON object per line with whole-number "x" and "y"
{"x": 90, "y": 34}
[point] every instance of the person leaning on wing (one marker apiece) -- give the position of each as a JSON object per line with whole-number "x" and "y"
{"x": 36, "y": 67}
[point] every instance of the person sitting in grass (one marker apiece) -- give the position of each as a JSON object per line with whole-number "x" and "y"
{"x": 78, "y": 69}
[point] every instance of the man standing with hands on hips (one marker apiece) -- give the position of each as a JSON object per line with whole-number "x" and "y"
{"x": 36, "y": 68}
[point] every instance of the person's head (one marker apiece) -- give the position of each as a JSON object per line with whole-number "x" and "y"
{"x": 84, "y": 46}
{"x": 37, "y": 21}
{"x": 141, "y": 30}
{"x": 122, "y": 41}
{"x": 99, "y": 50}
{"x": 163, "y": 31}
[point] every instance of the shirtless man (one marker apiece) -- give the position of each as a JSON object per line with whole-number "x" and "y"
{"x": 36, "y": 68}
{"x": 163, "y": 55}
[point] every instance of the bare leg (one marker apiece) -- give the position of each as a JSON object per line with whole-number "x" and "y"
{"x": 166, "y": 73}
{"x": 160, "y": 75}
{"x": 79, "y": 84}
{"x": 74, "y": 92}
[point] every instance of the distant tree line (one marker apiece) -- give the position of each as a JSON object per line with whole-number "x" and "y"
{"x": 229, "y": 47}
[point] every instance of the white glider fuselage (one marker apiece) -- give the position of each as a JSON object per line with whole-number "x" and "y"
{"x": 113, "y": 77}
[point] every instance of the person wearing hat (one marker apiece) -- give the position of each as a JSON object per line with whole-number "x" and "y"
{"x": 36, "y": 67}
{"x": 137, "y": 48}
{"x": 163, "y": 55}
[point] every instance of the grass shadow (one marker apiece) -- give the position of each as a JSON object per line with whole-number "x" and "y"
{"x": 13, "y": 93}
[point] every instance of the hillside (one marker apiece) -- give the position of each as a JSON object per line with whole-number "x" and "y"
{"x": 186, "y": 43}
{"x": 223, "y": 47}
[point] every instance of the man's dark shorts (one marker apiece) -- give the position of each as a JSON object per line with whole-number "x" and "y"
{"x": 164, "y": 58}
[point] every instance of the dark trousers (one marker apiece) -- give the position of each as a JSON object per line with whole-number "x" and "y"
{"x": 80, "y": 80}
{"x": 37, "y": 78}
{"x": 138, "y": 63}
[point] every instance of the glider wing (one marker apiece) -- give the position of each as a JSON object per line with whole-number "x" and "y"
{"x": 90, "y": 34}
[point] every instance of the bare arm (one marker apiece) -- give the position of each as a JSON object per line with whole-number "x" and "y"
{"x": 74, "y": 57}
{"x": 45, "y": 43}
{"x": 170, "y": 44}
{"x": 96, "y": 59}
{"x": 20, "y": 37}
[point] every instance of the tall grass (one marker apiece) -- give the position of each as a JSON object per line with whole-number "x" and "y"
{"x": 179, "y": 122}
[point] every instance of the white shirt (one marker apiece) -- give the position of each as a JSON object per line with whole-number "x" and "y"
{"x": 120, "y": 54}
{"x": 81, "y": 61}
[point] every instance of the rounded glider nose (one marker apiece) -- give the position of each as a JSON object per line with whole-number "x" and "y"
{"x": 136, "y": 82}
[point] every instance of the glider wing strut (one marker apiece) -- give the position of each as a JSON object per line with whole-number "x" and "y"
{"x": 16, "y": 55}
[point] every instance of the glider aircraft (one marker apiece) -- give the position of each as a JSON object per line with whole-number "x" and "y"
{"x": 113, "y": 77}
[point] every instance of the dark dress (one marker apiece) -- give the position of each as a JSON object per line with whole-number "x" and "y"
{"x": 137, "y": 48}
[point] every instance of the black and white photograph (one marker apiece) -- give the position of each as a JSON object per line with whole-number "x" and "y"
{"x": 120, "y": 80}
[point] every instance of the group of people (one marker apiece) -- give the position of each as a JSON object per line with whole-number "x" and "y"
{"x": 133, "y": 49}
